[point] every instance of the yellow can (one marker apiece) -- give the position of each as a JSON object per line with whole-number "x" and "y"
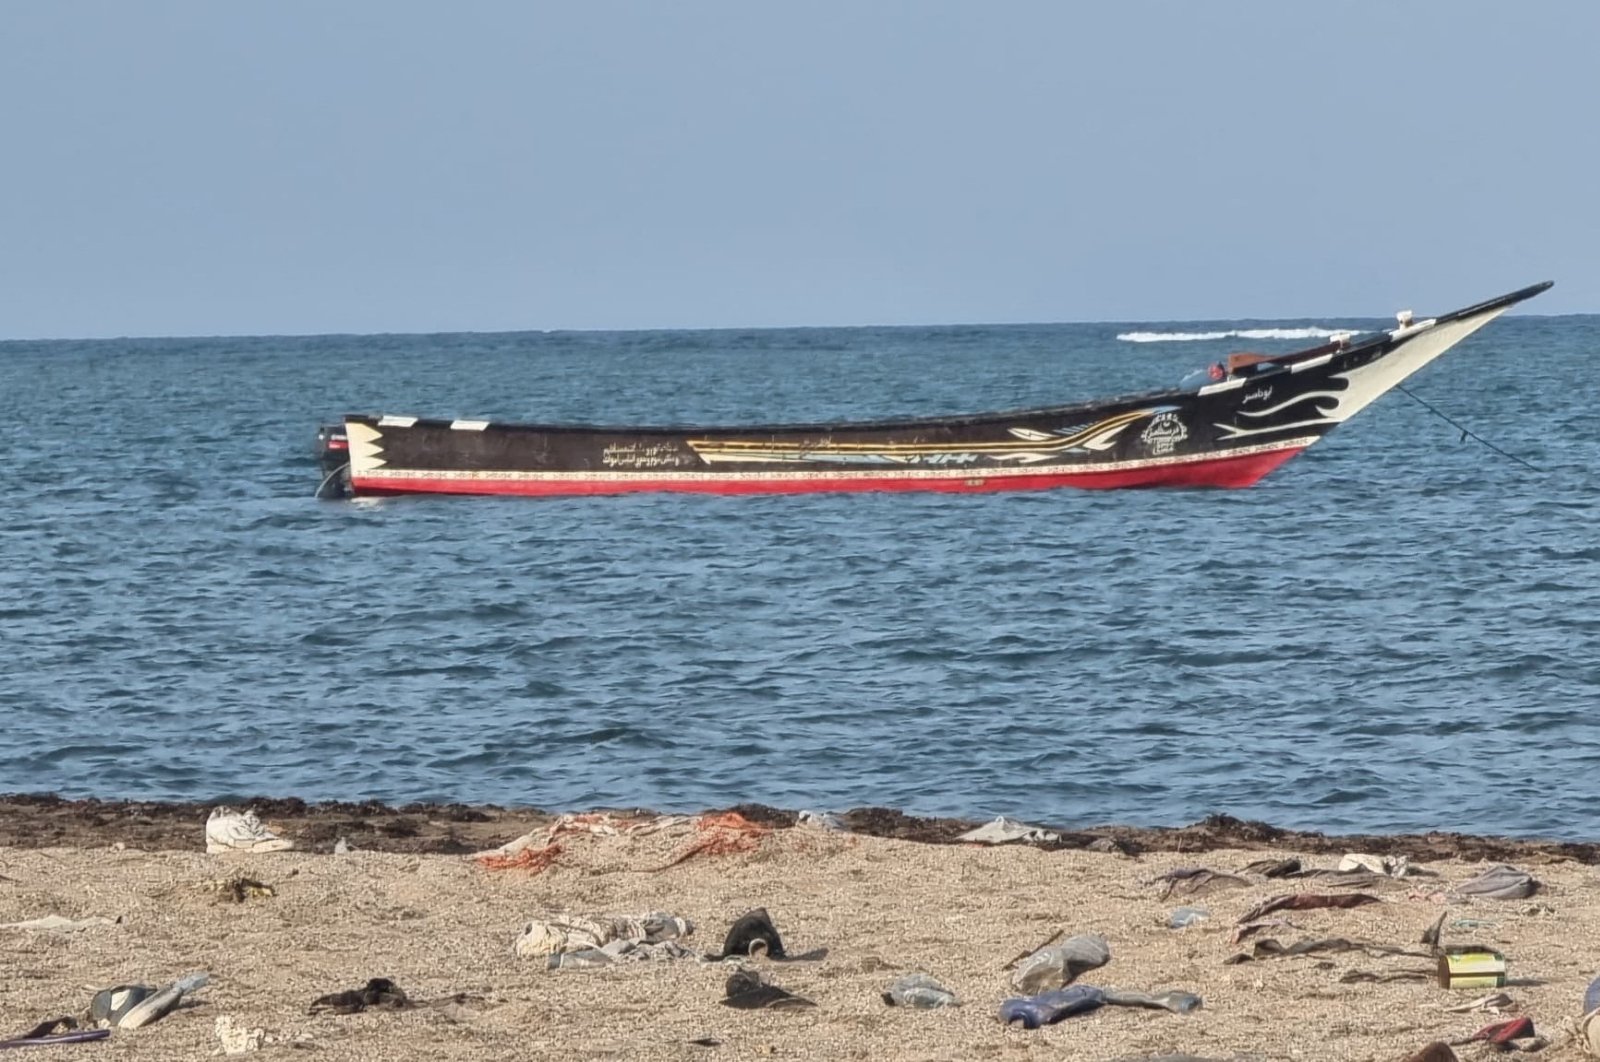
{"x": 1472, "y": 967}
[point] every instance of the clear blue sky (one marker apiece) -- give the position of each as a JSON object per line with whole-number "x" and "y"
{"x": 207, "y": 168}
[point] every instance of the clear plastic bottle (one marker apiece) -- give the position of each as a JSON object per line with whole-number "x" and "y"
{"x": 921, "y": 991}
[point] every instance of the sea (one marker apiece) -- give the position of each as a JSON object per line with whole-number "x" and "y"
{"x": 1397, "y": 631}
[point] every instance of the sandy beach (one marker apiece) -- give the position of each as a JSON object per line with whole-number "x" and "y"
{"x": 411, "y": 905}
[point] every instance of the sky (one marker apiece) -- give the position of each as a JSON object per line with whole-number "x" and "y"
{"x": 339, "y": 166}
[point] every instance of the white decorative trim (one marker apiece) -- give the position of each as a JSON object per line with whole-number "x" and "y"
{"x": 396, "y": 422}
{"x": 469, "y": 425}
{"x": 491, "y": 476}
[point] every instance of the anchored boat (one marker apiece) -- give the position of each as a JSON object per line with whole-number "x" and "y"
{"x": 1252, "y": 415}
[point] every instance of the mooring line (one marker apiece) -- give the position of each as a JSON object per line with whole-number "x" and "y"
{"x": 1465, "y": 433}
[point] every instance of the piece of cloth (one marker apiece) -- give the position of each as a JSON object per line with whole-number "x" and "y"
{"x": 562, "y": 934}
{"x": 1500, "y": 883}
{"x": 1197, "y": 881}
{"x": 1008, "y": 831}
{"x": 1303, "y": 901}
{"x": 378, "y": 993}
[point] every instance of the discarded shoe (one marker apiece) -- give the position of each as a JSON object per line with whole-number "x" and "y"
{"x": 1050, "y": 1007}
{"x": 380, "y": 992}
{"x": 752, "y": 935}
{"x": 228, "y": 830}
{"x": 746, "y": 990}
{"x": 1057, "y": 965}
{"x": 135, "y": 1006}
{"x": 55, "y": 1031}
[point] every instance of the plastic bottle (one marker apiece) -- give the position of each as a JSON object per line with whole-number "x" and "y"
{"x": 1061, "y": 964}
{"x": 921, "y": 991}
{"x": 1187, "y": 916}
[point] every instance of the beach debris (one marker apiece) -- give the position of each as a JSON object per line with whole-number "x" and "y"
{"x": 1381, "y": 865}
{"x": 237, "y": 1041}
{"x": 619, "y": 951}
{"x": 1494, "y": 1003}
{"x": 920, "y": 991}
{"x": 1589, "y": 1031}
{"x": 822, "y": 820}
{"x": 1187, "y": 916}
{"x": 1268, "y": 948}
{"x": 753, "y": 936}
{"x": 378, "y": 993}
{"x": 537, "y": 850}
{"x": 1058, "y": 965}
{"x": 1196, "y": 881}
{"x": 135, "y": 1006}
{"x": 1352, "y": 977}
{"x": 1438, "y": 1051}
{"x": 1304, "y": 901}
{"x": 342, "y": 847}
{"x": 1250, "y": 928}
{"x": 239, "y": 889}
{"x": 571, "y": 934}
{"x": 746, "y": 990}
{"x": 1500, "y": 883}
{"x": 1113, "y": 846}
{"x": 1008, "y": 831}
{"x": 1470, "y": 966}
{"x": 1503, "y": 1033}
{"x": 1272, "y": 868}
{"x": 1591, "y": 996}
{"x": 1169, "y": 999}
{"x": 55, "y": 1031}
{"x": 1047, "y": 1008}
{"x": 725, "y": 833}
{"x": 58, "y": 924}
{"x": 228, "y": 830}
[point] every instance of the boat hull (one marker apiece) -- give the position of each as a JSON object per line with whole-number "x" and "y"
{"x": 1229, "y": 433}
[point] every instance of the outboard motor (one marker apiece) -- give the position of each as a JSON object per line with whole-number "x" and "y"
{"x": 333, "y": 453}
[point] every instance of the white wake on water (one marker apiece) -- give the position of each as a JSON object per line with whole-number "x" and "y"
{"x": 1242, "y": 333}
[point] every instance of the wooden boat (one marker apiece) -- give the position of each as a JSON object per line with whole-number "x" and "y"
{"x": 1252, "y": 415}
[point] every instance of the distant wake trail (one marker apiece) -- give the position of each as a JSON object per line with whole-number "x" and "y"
{"x": 1243, "y": 333}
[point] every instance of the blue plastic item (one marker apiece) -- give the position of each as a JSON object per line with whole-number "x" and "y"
{"x": 1047, "y": 1008}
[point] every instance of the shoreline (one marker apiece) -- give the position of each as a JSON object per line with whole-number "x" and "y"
{"x": 41, "y": 820}
{"x": 1349, "y": 981}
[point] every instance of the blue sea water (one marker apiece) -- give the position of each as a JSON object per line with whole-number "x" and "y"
{"x": 1399, "y": 630}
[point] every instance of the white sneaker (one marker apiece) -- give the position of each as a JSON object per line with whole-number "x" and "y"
{"x": 228, "y": 830}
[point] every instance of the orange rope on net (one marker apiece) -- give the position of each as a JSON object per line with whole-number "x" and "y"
{"x": 531, "y": 859}
{"x": 724, "y": 834}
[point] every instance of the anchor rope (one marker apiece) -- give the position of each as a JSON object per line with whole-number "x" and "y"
{"x": 1465, "y": 432}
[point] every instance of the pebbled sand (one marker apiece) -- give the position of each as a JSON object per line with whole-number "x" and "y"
{"x": 440, "y": 924}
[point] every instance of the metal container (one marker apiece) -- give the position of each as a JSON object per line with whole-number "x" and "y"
{"x": 1470, "y": 966}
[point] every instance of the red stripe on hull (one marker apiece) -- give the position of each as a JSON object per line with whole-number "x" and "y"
{"x": 1240, "y": 471}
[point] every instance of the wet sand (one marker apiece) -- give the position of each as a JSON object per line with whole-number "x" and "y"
{"x": 891, "y": 898}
